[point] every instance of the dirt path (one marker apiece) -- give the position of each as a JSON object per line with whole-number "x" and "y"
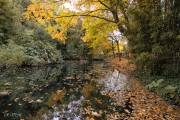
{"x": 140, "y": 103}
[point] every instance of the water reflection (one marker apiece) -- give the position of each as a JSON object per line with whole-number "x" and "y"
{"x": 64, "y": 92}
{"x": 115, "y": 81}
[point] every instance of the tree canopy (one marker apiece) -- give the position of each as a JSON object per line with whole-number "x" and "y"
{"x": 151, "y": 27}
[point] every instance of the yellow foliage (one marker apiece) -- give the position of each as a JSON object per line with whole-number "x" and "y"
{"x": 97, "y": 30}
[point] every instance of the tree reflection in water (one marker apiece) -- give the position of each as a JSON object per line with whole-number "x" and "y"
{"x": 71, "y": 92}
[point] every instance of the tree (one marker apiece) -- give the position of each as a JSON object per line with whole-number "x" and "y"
{"x": 153, "y": 36}
{"x": 115, "y": 38}
{"x": 23, "y": 42}
{"x": 111, "y": 11}
{"x": 61, "y": 24}
{"x": 151, "y": 27}
{"x": 6, "y": 20}
{"x": 75, "y": 48}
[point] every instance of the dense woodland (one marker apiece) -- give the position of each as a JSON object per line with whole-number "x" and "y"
{"x": 146, "y": 32}
{"x": 39, "y": 34}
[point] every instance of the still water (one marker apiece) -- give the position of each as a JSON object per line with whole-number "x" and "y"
{"x": 72, "y": 91}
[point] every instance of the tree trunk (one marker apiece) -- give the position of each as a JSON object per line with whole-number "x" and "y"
{"x": 119, "y": 56}
{"x": 113, "y": 49}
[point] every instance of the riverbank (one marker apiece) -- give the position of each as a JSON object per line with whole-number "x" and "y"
{"x": 166, "y": 87}
{"x": 145, "y": 105}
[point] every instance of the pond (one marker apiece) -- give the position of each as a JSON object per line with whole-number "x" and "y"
{"x": 72, "y": 91}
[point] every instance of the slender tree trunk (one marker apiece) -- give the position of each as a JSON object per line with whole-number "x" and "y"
{"x": 119, "y": 56}
{"x": 113, "y": 49}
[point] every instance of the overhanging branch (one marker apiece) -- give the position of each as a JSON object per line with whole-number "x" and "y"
{"x": 86, "y": 15}
{"x": 103, "y": 4}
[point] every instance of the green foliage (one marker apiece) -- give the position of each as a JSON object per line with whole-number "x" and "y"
{"x": 155, "y": 84}
{"x": 6, "y": 18}
{"x": 142, "y": 60}
{"x": 40, "y": 45}
{"x": 153, "y": 37}
{"x": 168, "y": 91}
{"x": 74, "y": 47}
{"x": 22, "y": 42}
{"x": 12, "y": 54}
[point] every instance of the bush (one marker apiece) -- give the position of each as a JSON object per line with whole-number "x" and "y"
{"x": 144, "y": 61}
{"x": 12, "y": 54}
{"x": 23, "y": 42}
{"x": 165, "y": 89}
{"x": 6, "y": 18}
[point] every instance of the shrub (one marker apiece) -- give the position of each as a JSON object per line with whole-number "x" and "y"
{"x": 12, "y": 54}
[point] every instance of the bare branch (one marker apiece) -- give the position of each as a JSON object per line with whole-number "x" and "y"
{"x": 104, "y": 4}
{"x": 89, "y": 12}
{"x": 86, "y": 15}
